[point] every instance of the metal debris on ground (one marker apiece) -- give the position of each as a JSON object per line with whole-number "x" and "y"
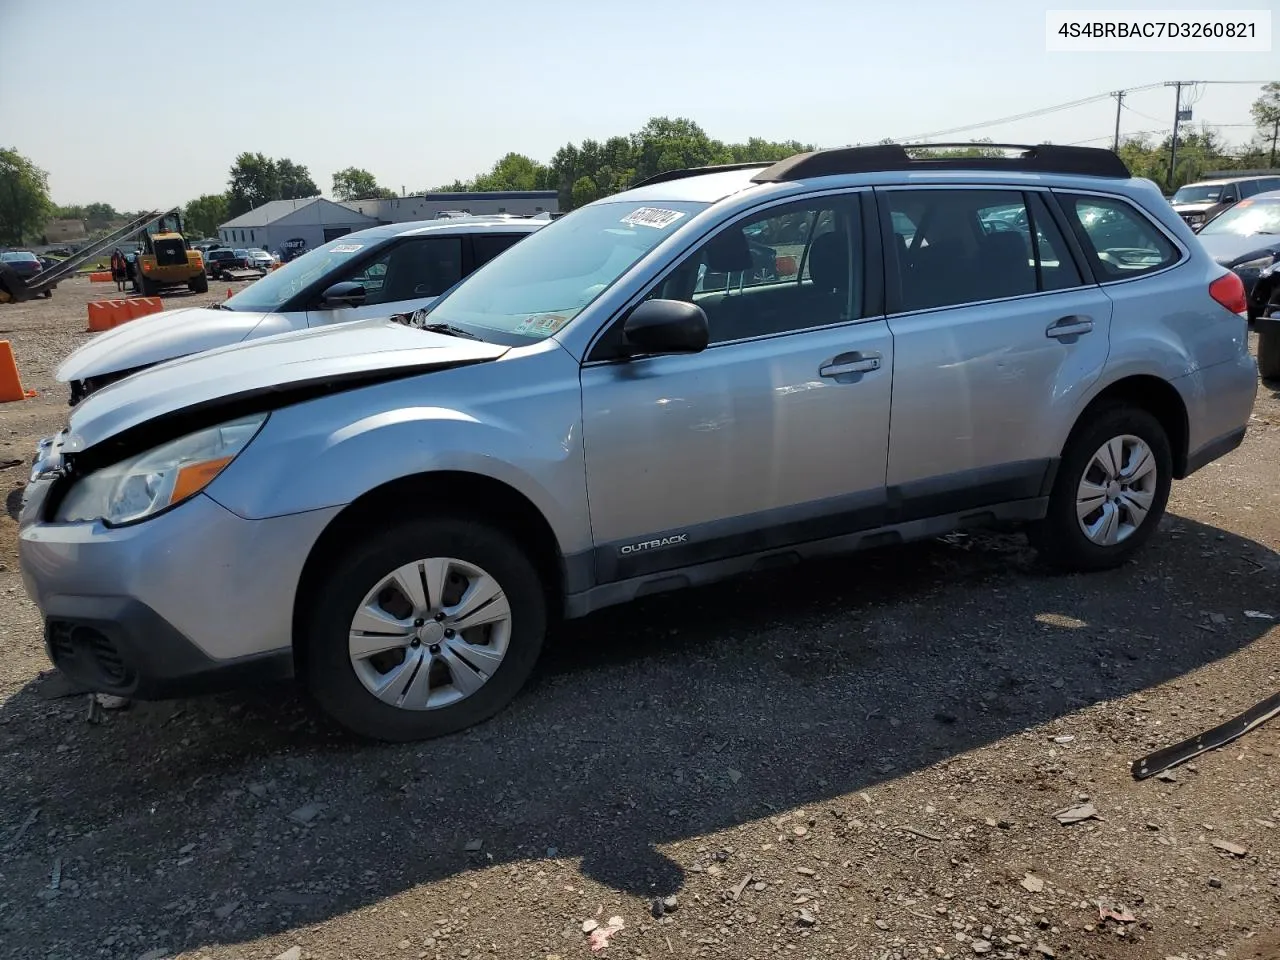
{"x": 1219, "y": 736}
{"x": 1258, "y": 615}
{"x": 1070, "y": 815}
{"x": 738, "y": 887}
{"x": 26, "y": 825}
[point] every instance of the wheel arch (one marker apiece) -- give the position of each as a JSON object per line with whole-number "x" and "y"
{"x": 1155, "y": 395}
{"x": 456, "y": 492}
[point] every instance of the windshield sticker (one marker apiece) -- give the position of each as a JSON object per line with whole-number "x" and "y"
{"x": 1245, "y": 203}
{"x": 542, "y": 323}
{"x": 346, "y": 248}
{"x": 654, "y": 217}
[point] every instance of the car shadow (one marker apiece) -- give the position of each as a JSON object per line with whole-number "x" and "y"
{"x": 225, "y": 819}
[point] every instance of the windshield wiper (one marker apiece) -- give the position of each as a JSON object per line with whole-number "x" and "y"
{"x": 450, "y": 329}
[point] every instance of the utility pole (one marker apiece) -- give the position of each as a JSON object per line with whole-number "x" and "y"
{"x": 1115, "y": 144}
{"x": 1275, "y": 132}
{"x": 1177, "y": 115}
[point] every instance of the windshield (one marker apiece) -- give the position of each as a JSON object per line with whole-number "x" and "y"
{"x": 1208, "y": 194}
{"x": 279, "y": 286}
{"x": 1247, "y": 218}
{"x": 544, "y": 281}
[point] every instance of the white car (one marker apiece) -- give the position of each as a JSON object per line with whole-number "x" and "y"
{"x": 395, "y": 269}
{"x": 260, "y": 259}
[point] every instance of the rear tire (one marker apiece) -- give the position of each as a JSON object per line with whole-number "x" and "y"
{"x": 441, "y": 555}
{"x": 1089, "y": 492}
{"x": 199, "y": 284}
{"x": 146, "y": 287}
{"x": 1269, "y": 353}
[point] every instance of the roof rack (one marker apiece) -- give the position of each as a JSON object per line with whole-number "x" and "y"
{"x": 1037, "y": 158}
{"x": 697, "y": 172}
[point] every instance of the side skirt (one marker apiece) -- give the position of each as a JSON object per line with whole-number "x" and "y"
{"x": 622, "y": 591}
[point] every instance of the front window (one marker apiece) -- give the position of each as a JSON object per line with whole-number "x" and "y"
{"x": 1246, "y": 218}
{"x": 543, "y": 282}
{"x": 280, "y": 286}
{"x": 1208, "y": 194}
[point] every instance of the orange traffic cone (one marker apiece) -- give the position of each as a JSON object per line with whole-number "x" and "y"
{"x": 10, "y": 384}
{"x": 228, "y": 293}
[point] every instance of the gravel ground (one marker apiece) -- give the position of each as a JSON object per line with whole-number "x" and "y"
{"x": 858, "y": 758}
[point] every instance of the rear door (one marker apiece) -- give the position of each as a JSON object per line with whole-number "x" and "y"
{"x": 407, "y": 275}
{"x": 997, "y": 332}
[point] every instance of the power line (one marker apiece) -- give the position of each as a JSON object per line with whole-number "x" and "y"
{"x": 1193, "y": 95}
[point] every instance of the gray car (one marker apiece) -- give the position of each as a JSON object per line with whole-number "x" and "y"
{"x": 628, "y": 402}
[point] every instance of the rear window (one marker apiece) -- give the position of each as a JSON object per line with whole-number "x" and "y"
{"x": 16, "y": 257}
{"x": 1119, "y": 241}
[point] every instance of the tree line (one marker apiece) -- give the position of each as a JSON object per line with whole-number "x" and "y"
{"x": 587, "y": 171}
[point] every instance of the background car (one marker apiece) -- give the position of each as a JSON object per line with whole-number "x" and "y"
{"x": 1246, "y": 239}
{"x": 259, "y": 259}
{"x": 1198, "y": 203}
{"x": 383, "y": 271}
{"x": 25, "y": 264}
{"x": 243, "y": 255}
{"x": 217, "y": 262}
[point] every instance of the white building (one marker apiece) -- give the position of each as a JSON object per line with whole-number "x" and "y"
{"x": 282, "y": 224}
{"x": 426, "y": 206}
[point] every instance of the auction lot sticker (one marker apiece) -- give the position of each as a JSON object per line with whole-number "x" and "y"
{"x": 654, "y": 217}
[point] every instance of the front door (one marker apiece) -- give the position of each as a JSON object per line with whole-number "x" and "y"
{"x": 776, "y": 433}
{"x": 405, "y": 276}
{"x": 996, "y": 337}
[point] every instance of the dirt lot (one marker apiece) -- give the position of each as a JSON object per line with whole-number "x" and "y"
{"x": 857, "y": 759}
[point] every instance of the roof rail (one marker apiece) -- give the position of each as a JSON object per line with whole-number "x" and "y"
{"x": 1038, "y": 158}
{"x": 697, "y": 172}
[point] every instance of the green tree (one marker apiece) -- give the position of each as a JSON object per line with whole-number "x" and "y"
{"x": 254, "y": 181}
{"x": 514, "y": 171}
{"x": 100, "y": 212}
{"x": 73, "y": 211}
{"x": 356, "y": 184}
{"x": 295, "y": 181}
{"x": 24, "y": 197}
{"x": 1266, "y": 114}
{"x": 203, "y": 215}
{"x": 257, "y": 179}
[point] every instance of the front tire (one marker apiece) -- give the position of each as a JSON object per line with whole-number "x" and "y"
{"x": 1110, "y": 492}
{"x": 423, "y": 629}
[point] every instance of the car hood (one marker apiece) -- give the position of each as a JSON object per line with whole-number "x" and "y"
{"x": 206, "y": 388}
{"x": 157, "y": 337}
{"x": 1228, "y": 248}
{"x": 1199, "y": 207}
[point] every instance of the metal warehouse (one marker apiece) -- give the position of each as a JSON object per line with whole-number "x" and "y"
{"x": 293, "y": 224}
{"x": 427, "y": 206}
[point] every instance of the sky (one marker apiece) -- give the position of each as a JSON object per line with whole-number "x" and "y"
{"x": 149, "y": 111}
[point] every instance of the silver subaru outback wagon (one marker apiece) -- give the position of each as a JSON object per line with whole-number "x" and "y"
{"x": 719, "y": 371}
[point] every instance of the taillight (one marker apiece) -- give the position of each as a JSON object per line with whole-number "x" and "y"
{"x": 1228, "y": 290}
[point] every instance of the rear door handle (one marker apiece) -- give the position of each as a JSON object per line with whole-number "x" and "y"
{"x": 1069, "y": 327}
{"x": 850, "y": 363}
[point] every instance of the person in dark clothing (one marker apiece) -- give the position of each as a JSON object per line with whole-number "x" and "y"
{"x": 119, "y": 271}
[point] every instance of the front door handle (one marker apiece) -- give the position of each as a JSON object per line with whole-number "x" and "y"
{"x": 848, "y": 363}
{"x": 1072, "y": 326}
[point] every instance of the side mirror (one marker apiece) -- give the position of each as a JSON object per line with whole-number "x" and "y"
{"x": 346, "y": 294}
{"x": 665, "y": 326}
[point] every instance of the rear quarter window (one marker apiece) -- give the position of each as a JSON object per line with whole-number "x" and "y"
{"x": 1120, "y": 241}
